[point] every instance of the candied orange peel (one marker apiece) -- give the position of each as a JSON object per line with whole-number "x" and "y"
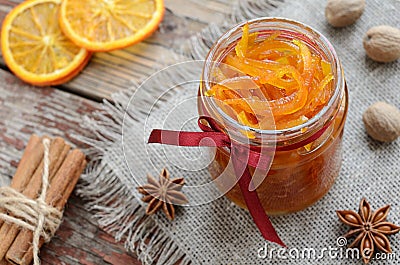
{"x": 272, "y": 81}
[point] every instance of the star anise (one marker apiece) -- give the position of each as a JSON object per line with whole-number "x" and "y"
{"x": 370, "y": 229}
{"x": 163, "y": 194}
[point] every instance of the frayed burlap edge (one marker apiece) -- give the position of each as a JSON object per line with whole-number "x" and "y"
{"x": 117, "y": 210}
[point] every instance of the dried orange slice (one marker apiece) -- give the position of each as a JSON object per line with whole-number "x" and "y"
{"x": 34, "y": 47}
{"x": 74, "y": 73}
{"x": 105, "y": 25}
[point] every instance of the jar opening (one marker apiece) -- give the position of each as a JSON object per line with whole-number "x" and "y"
{"x": 288, "y": 29}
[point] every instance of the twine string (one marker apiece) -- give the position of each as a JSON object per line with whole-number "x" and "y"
{"x": 34, "y": 215}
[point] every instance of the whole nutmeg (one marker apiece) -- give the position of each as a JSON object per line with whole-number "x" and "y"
{"x": 382, "y": 43}
{"x": 382, "y": 122}
{"x": 341, "y": 13}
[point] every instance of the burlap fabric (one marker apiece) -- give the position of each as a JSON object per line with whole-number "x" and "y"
{"x": 219, "y": 232}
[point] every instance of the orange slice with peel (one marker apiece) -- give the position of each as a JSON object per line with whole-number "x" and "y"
{"x": 73, "y": 74}
{"x": 105, "y": 25}
{"x": 35, "y": 49}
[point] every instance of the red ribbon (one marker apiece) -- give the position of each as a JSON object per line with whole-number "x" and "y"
{"x": 213, "y": 135}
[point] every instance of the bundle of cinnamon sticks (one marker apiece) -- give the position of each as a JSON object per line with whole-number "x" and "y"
{"x": 65, "y": 167}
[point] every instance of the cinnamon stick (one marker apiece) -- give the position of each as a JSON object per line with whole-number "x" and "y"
{"x": 29, "y": 162}
{"x": 57, "y": 153}
{"x": 59, "y": 191}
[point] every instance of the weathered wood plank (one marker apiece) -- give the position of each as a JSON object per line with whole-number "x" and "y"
{"x": 25, "y": 110}
{"x": 110, "y": 72}
{"x": 199, "y": 10}
{"x": 80, "y": 241}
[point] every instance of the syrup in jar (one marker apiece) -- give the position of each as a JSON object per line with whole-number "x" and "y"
{"x": 277, "y": 82}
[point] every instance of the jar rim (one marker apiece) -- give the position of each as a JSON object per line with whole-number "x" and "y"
{"x": 306, "y": 31}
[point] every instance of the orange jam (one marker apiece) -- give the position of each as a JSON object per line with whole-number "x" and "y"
{"x": 272, "y": 78}
{"x": 278, "y": 77}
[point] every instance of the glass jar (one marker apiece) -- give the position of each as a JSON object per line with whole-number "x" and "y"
{"x": 300, "y": 176}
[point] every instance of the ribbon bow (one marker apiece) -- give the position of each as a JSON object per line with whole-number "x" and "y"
{"x": 212, "y": 136}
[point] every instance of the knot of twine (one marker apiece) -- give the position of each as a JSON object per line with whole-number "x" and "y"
{"x": 34, "y": 215}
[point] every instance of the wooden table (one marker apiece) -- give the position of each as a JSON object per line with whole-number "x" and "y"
{"x": 59, "y": 110}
